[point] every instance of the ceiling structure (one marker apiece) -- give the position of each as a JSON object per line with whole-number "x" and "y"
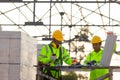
{"x": 79, "y": 20}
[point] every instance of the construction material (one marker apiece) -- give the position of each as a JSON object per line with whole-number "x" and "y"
{"x": 108, "y": 49}
{"x": 18, "y": 54}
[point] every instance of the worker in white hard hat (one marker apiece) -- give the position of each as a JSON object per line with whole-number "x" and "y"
{"x": 95, "y": 57}
{"x": 54, "y": 54}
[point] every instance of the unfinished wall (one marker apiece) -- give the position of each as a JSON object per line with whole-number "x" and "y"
{"x": 17, "y": 56}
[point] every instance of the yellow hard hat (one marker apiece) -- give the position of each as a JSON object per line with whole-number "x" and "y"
{"x": 96, "y": 39}
{"x": 57, "y": 34}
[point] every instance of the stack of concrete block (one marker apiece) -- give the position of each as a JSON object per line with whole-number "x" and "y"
{"x": 18, "y": 54}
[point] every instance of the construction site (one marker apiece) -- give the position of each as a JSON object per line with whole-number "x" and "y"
{"x": 27, "y": 25}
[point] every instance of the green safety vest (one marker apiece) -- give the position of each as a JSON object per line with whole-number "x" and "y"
{"x": 96, "y": 73}
{"x": 61, "y": 55}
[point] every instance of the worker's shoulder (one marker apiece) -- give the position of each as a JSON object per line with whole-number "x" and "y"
{"x": 44, "y": 45}
{"x": 62, "y": 47}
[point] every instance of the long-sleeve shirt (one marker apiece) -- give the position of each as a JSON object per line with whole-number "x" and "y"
{"x": 97, "y": 56}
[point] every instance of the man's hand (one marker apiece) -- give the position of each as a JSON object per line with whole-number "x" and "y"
{"x": 40, "y": 63}
{"x": 74, "y": 61}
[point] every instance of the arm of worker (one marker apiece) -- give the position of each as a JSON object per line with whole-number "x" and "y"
{"x": 66, "y": 57}
{"x": 87, "y": 59}
{"x": 43, "y": 56}
{"x": 92, "y": 61}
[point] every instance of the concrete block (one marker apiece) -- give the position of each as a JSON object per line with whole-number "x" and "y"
{"x": 4, "y": 54}
{"x": 10, "y": 34}
{"x": 15, "y": 43}
{"x": 4, "y": 43}
{"x": 14, "y": 52}
{"x": 14, "y": 72}
{"x": 18, "y": 54}
{"x": 4, "y": 71}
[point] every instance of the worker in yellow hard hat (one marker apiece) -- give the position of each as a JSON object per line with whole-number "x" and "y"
{"x": 94, "y": 58}
{"x": 54, "y": 54}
